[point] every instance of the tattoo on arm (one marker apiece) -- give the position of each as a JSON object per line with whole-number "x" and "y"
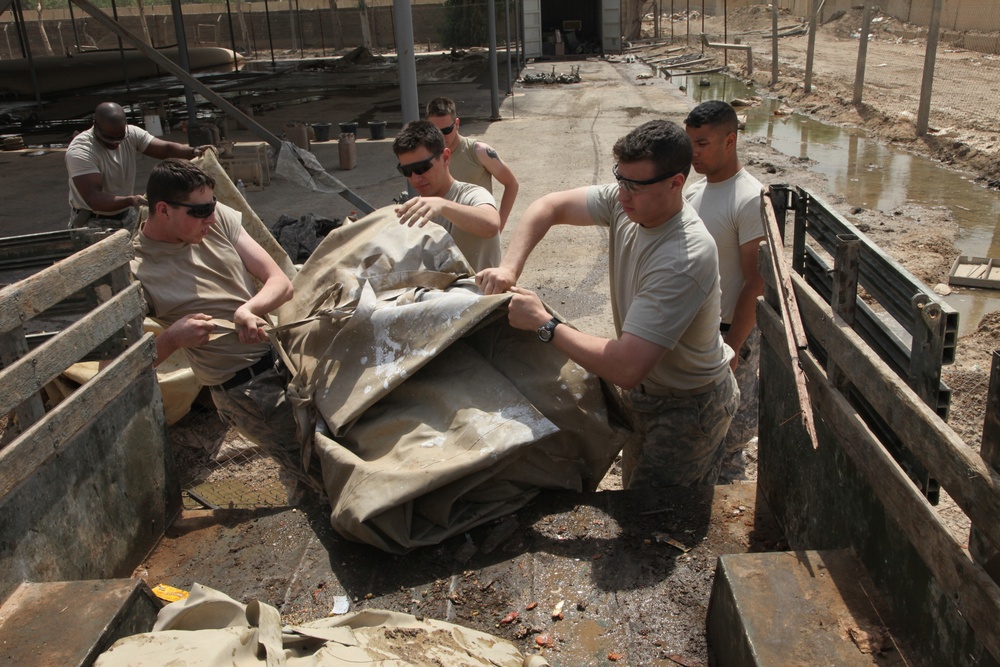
{"x": 493, "y": 154}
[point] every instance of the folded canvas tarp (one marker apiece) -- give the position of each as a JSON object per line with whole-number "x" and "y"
{"x": 208, "y": 628}
{"x": 429, "y": 413}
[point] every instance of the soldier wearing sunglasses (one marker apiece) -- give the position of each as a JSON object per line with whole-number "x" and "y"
{"x": 197, "y": 267}
{"x": 467, "y": 211}
{"x": 669, "y": 358}
{"x": 101, "y": 166}
{"x": 472, "y": 161}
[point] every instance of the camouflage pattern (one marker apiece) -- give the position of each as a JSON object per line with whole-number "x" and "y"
{"x": 744, "y": 425}
{"x": 260, "y": 410}
{"x": 681, "y": 436}
{"x": 82, "y": 218}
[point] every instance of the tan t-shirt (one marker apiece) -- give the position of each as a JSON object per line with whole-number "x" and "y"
{"x": 731, "y": 212}
{"x": 481, "y": 253}
{"x": 86, "y": 155}
{"x": 466, "y": 167}
{"x": 665, "y": 289}
{"x": 181, "y": 279}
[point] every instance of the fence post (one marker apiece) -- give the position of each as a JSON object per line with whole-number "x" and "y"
{"x": 982, "y": 552}
{"x": 844, "y": 299}
{"x": 930, "y": 56}
{"x": 811, "y": 48}
{"x": 859, "y": 73}
{"x": 774, "y": 43}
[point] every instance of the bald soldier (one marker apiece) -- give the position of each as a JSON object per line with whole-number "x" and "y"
{"x": 101, "y": 166}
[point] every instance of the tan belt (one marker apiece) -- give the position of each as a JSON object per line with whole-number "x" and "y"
{"x": 679, "y": 393}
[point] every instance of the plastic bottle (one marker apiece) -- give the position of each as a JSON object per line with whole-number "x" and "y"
{"x": 242, "y": 188}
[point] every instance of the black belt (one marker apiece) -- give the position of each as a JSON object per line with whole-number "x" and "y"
{"x": 111, "y": 216}
{"x": 243, "y": 376}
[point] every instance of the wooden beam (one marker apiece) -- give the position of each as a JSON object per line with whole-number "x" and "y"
{"x": 37, "y": 368}
{"x": 789, "y": 309}
{"x": 974, "y": 593}
{"x": 20, "y": 458}
{"x": 962, "y": 472}
{"x": 24, "y": 300}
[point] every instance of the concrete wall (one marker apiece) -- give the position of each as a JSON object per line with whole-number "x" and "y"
{"x": 959, "y": 15}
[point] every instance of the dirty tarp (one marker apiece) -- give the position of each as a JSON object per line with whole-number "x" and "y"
{"x": 209, "y": 628}
{"x": 432, "y": 414}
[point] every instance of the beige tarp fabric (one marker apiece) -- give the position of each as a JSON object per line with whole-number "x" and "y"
{"x": 433, "y": 414}
{"x": 208, "y": 629}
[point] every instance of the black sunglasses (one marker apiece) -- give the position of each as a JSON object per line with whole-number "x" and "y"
{"x": 110, "y": 140}
{"x": 447, "y": 130}
{"x": 196, "y": 210}
{"x": 631, "y": 184}
{"x": 418, "y": 168}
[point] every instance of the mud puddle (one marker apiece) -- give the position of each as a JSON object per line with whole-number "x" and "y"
{"x": 874, "y": 176}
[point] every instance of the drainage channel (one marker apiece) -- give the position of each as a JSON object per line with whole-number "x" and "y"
{"x": 874, "y": 176}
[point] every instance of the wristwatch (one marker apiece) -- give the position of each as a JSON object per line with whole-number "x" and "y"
{"x": 547, "y": 330}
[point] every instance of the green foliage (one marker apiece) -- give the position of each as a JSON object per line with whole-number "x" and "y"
{"x": 465, "y": 23}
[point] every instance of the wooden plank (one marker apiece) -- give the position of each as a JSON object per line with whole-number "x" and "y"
{"x": 37, "y": 368}
{"x": 789, "y": 310}
{"x": 35, "y": 446}
{"x": 845, "y": 295}
{"x": 974, "y": 593}
{"x": 985, "y": 554}
{"x": 935, "y": 445}
{"x": 975, "y": 272}
{"x": 13, "y": 346}
{"x": 24, "y": 300}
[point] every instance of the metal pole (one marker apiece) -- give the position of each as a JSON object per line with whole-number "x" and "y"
{"x": 656, "y": 19}
{"x": 859, "y": 73}
{"x": 406, "y": 61}
{"x": 291, "y": 26}
{"x": 322, "y": 38}
{"x": 491, "y": 27}
{"x": 22, "y": 36}
{"x": 671, "y": 21}
{"x": 270, "y": 40}
{"x": 811, "y": 48}
{"x": 687, "y": 19}
{"x": 72, "y": 19}
{"x": 506, "y": 23}
{"x": 298, "y": 25}
{"x": 774, "y": 43}
{"x": 232, "y": 37}
{"x": 725, "y": 30}
{"x": 121, "y": 48}
{"x": 519, "y": 28}
{"x": 182, "y": 56}
{"x": 924, "y": 111}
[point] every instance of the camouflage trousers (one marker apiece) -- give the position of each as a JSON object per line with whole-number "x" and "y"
{"x": 679, "y": 437}
{"x": 260, "y": 410}
{"x": 82, "y": 218}
{"x": 744, "y": 425}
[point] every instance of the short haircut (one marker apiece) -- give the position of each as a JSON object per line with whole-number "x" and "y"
{"x": 663, "y": 142}
{"x": 109, "y": 114}
{"x": 441, "y": 106}
{"x": 174, "y": 179}
{"x": 418, "y": 133}
{"x": 714, "y": 113}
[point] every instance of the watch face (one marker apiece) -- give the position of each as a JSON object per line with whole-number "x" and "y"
{"x": 545, "y": 333}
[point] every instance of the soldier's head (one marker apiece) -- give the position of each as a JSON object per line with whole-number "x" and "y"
{"x": 110, "y": 124}
{"x": 651, "y": 164}
{"x": 712, "y": 127}
{"x": 442, "y": 112}
{"x": 423, "y": 158}
{"x": 181, "y": 202}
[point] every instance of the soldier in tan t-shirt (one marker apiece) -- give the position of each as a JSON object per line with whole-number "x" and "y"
{"x": 472, "y": 161}
{"x": 467, "y": 211}
{"x": 669, "y": 358}
{"x": 197, "y": 265}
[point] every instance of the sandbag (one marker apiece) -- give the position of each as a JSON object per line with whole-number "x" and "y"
{"x": 208, "y": 628}
{"x": 430, "y": 414}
